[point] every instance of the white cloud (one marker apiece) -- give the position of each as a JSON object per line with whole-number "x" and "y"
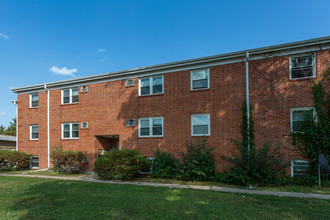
{"x": 101, "y": 50}
{"x": 3, "y": 36}
{"x": 2, "y": 113}
{"x": 63, "y": 71}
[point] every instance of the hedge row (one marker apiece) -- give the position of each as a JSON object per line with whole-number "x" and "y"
{"x": 14, "y": 159}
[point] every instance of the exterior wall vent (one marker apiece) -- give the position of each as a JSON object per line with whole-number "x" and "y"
{"x": 84, "y": 89}
{"x": 130, "y": 122}
{"x": 84, "y": 124}
{"x": 130, "y": 82}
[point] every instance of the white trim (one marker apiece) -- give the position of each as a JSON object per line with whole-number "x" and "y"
{"x": 301, "y": 109}
{"x": 82, "y": 123}
{"x": 314, "y": 65}
{"x": 150, "y": 126}
{"x": 82, "y": 89}
{"x": 70, "y": 95}
{"x": 70, "y": 123}
{"x": 33, "y": 139}
{"x": 209, "y": 124}
{"x": 30, "y": 95}
{"x": 208, "y": 78}
{"x": 151, "y": 80}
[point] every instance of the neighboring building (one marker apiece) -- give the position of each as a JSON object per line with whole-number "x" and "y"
{"x": 7, "y": 142}
{"x": 163, "y": 106}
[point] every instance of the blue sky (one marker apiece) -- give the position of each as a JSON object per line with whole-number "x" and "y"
{"x": 44, "y": 41}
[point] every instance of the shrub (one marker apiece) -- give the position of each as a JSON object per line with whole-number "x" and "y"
{"x": 258, "y": 166}
{"x": 120, "y": 164}
{"x": 14, "y": 159}
{"x": 165, "y": 165}
{"x": 198, "y": 162}
{"x": 66, "y": 161}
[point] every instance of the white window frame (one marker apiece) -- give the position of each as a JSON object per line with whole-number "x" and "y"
{"x": 301, "y": 109}
{"x": 31, "y": 162}
{"x": 34, "y": 139}
{"x": 82, "y": 89}
{"x": 151, "y": 85}
{"x": 70, "y": 123}
{"x": 314, "y": 66}
{"x": 150, "y": 126}
{"x": 192, "y": 125}
{"x": 191, "y": 78}
{"x": 70, "y": 97}
{"x": 82, "y": 125}
{"x": 31, "y": 100}
{"x": 129, "y": 82}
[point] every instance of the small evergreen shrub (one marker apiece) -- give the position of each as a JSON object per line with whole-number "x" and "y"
{"x": 66, "y": 161}
{"x": 198, "y": 162}
{"x": 122, "y": 164}
{"x": 14, "y": 159}
{"x": 165, "y": 165}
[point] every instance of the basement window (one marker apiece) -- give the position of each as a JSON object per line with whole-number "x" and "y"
{"x": 34, "y": 162}
{"x": 148, "y": 170}
{"x": 303, "y": 66}
{"x": 200, "y": 125}
{"x": 70, "y": 130}
{"x": 34, "y": 100}
{"x": 300, "y": 117}
{"x": 70, "y": 95}
{"x": 200, "y": 79}
{"x": 151, "y": 85}
{"x": 34, "y": 132}
{"x": 151, "y": 127}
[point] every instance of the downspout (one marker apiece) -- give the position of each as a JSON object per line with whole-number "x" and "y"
{"x": 247, "y": 95}
{"x": 48, "y": 144}
{"x": 15, "y": 103}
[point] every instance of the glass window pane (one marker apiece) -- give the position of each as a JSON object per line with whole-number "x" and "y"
{"x": 200, "y": 84}
{"x": 157, "y": 81}
{"x": 145, "y": 123}
{"x": 66, "y": 92}
{"x": 75, "y": 134}
{"x": 302, "y": 115}
{"x": 34, "y": 97}
{"x": 35, "y": 135}
{"x": 66, "y": 134}
{"x": 200, "y": 74}
{"x": 66, "y": 99}
{"x": 75, "y": 127}
{"x": 157, "y": 89}
{"x": 145, "y": 90}
{"x": 157, "y": 130}
{"x": 156, "y": 122}
{"x": 144, "y": 132}
{"x": 75, "y": 98}
{"x": 145, "y": 82}
{"x": 34, "y": 104}
{"x": 200, "y": 120}
{"x": 200, "y": 129}
{"x": 75, "y": 92}
{"x": 66, "y": 127}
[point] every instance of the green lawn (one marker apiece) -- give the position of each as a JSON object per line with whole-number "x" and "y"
{"x": 32, "y": 198}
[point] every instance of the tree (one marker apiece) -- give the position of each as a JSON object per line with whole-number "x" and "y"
{"x": 314, "y": 138}
{"x": 2, "y": 129}
{"x": 10, "y": 130}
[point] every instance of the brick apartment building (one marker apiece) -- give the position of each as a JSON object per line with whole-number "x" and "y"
{"x": 162, "y": 106}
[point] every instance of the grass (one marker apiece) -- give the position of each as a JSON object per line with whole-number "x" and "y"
{"x": 33, "y": 198}
{"x": 287, "y": 188}
{"x": 41, "y": 173}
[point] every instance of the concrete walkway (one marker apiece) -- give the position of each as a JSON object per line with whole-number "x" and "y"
{"x": 94, "y": 179}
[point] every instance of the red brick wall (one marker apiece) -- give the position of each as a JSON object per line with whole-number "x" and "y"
{"x": 106, "y": 106}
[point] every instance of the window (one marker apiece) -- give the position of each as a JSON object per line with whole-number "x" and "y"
{"x": 151, "y": 127}
{"x": 200, "y": 79}
{"x": 302, "y": 66}
{"x": 151, "y": 85}
{"x": 130, "y": 82}
{"x": 70, "y": 95}
{"x": 34, "y": 100}
{"x": 70, "y": 130}
{"x": 84, "y": 89}
{"x": 130, "y": 122}
{"x": 34, "y": 132}
{"x": 200, "y": 125}
{"x": 34, "y": 162}
{"x": 300, "y": 117}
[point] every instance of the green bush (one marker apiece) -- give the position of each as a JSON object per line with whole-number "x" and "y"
{"x": 66, "y": 161}
{"x": 120, "y": 164}
{"x": 14, "y": 159}
{"x": 198, "y": 162}
{"x": 258, "y": 166}
{"x": 165, "y": 165}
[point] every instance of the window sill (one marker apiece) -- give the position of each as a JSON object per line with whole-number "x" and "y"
{"x": 37, "y": 107}
{"x": 199, "y": 90}
{"x": 66, "y": 104}
{"x": 68, "y": 139}
{"x": 160, "y": 94}
{"x": 201, "y": 135}
{"x": 302, "y": 78}
{"x": 151, "y": 137}
{"x": 34, "y": 139}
